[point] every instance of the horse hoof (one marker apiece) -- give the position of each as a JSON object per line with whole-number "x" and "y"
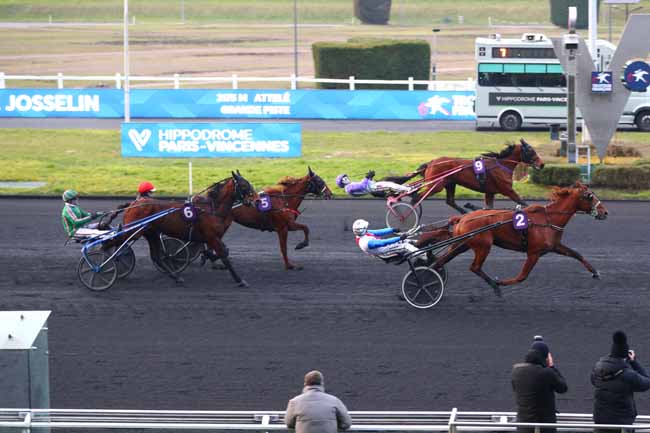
{"x": 243, "y": 284}
{"x": 596, "y": 275}
{"x": 302, "y": 245}
{"x": 496, "y": 288}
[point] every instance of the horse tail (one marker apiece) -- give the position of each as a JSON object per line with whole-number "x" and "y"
{"x": 408, "y": 176}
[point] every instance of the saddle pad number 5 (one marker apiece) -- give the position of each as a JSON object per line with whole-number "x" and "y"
{"x": 264, "y": 203}
{"x": 520, "y": 221}
{"x": 190, "y": 213}
{"x": 479, "y": 166}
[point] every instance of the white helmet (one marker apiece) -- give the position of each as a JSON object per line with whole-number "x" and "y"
{"x": 360, "y": 227}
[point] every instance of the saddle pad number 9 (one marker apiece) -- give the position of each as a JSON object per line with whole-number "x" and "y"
{"x": 520, "y": 221}
{"x": 479, "y": 166}
{"x": 190, "y": 213}
{"x": 264, "y": 202}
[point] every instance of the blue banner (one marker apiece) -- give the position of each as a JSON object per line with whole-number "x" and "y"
{"x": 211, "y": 140}
{"x": 253, "y": 104}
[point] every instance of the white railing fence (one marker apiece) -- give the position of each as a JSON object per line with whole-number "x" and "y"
{"x": 177, "y": 80}
{"x": 453, "y": 421}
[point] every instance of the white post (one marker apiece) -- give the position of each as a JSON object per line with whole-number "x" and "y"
{"x": 593, "y": 37}
{"x": 177, "y": 82}
{"x": 59, "y": 80}
{"x": 351, "y": 82}
{"x": 3, "y": 84}
{"x": 235, "y": 84}
{"x": 118, "y": 81}
{"x": 127, "y": 87}
{"x": 410, "y": 84}
{"x": 189, "y": 168}
{"x": 293, "y": 82}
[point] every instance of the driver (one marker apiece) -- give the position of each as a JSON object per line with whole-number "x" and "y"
{"x": 368, "y": 186}
{"x": 371, "y": 241}
{"x": 145, "y": 190}
{"x": 76, "y": 221}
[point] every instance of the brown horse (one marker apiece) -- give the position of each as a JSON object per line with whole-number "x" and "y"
{"x": 212, "y": 220}
{"x": 497, "y": 178}
{"x": 285, "y": 198}
{"x": 544, "y": 234}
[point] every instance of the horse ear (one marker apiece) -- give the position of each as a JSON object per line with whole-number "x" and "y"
{"x": 234, "y": 175}
{"x": 238, "y": 173}
{"x": 310, "y": 172}
{"x": 523, "y": 142}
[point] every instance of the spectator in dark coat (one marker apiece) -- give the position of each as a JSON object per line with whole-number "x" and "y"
{"x": 616, "y": 378}
{"x": 314, "y": 411}
{"x": 535, "y": 383}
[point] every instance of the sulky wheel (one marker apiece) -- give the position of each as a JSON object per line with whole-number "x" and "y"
{"x": 402, "y": 216}
{"x": 125, "y": 262}
{"x": 422, "y": 287}
{"x": 93, "y": 274}
{"x": 195, "y": 250}
{"x": 174, "y": 254}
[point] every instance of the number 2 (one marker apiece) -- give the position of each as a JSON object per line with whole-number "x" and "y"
{"x": 520, "y": 220}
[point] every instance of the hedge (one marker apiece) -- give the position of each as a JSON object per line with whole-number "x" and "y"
{"x": 371, "y": 59}
{"x": 560, "y": 12}
{"x": 622, "y": 177}
{"x": 560, "y": 175}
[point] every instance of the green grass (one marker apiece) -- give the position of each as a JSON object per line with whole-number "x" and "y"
{"x": 90, "y": 161}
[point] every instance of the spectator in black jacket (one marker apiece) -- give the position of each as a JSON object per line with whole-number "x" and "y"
{"x": 616, "y": 378}
{"x": 535, "y": 383}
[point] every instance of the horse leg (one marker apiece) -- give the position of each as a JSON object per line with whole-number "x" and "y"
{"x": 525, "y": 270}
{"x": 512, "y": 195}
{"x": 294, "y": 226}
{"x": 155, "y": 252}
{"x": 481, "y": 251}
{"x": 451, "y": 192}
{"x": 222, "y": 252}
{"x": 566, "y": 251}
{"x": 282, "y": 238}
{"x": 489, "y": 200}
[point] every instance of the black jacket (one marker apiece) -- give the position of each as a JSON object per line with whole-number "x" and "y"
{"x": 616, "y": 380}
{"x": 535, "y": 386}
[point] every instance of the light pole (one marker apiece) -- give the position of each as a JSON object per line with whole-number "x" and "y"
{"x": 434, "y": 53}
{"x": 127, "y": 102}
{"x": 295, "y": 38}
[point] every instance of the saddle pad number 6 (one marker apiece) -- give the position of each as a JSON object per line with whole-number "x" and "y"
{"x": 264, "y": 203}
{"x": 479, "y": 166}
{"x": 190, "y": 213}
{"x": 520, "y": 220}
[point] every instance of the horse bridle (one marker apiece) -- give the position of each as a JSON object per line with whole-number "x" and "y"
{"x": 595, "y": 202}
{"x": 528, "y": 154}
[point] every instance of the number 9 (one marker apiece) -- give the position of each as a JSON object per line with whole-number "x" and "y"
{"x": 478, "y": 165}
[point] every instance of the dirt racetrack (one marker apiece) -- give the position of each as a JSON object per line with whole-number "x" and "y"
{"x": 149, "y": 344}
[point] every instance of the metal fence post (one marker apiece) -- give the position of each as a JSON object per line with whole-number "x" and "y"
{"x": 3, "y": 84}
{"x": 351, "y": 82}
{"x": 59, "y": 80}
{"x": 451, "y": 424}
{"x": 235, "y": 84}
{"x": 118, "y": 81}
{"x": 293, "y": 82}
{"x": 177, "y": 82}
{"x": 410, "y": 84}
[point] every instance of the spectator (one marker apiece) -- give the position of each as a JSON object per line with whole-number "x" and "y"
{"x": 535, "y": 383}
{"x": 314, "y": 411}
{"x": 616, "y": 378}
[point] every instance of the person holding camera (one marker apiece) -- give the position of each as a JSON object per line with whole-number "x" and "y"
{"x": 616, "y": 378}
{"x": 535, "y": 382}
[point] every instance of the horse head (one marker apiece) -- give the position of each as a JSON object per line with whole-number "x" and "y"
{"x": 317, "y": 185}
{"x": 243, "y": 191}
{"x": 588, "y": 202}
{"x": 529, "y": 156}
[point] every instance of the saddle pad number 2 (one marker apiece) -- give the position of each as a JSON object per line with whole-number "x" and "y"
{"x": 520, "y": 220}
{"x": 479, "y": 166}
{"x": 264, "y": 203}
{"x": 189, "y": 212}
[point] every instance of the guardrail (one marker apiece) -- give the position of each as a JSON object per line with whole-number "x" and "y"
{"x": 453, "y": 421}
{"x": 176, "y": 80}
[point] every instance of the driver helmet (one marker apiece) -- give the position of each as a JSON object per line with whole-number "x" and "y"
{"x": 146, "y": 188}
{"x": 69, "y": 195}
{"x": 360, "y": 227}
{"x": 342, "y": 180}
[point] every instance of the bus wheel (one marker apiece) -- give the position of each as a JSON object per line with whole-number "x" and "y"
{"x": 510, "y": 121}
{"x": 642, "y": 121}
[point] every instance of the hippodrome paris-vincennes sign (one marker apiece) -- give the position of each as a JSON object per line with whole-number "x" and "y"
{"x": 601, "y": 111}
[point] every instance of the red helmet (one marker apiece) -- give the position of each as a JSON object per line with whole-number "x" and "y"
{"x": 146, "y": 187}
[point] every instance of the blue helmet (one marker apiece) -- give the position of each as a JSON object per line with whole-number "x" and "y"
{"x": 342, "y": 180}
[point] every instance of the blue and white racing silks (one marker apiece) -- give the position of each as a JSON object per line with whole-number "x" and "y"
{"x": 371, "y": 243}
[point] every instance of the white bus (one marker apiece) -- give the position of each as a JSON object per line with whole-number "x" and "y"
{"x": 520, "y": 83}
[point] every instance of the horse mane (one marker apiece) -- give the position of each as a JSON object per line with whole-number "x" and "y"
{"x": 505, "y": 152}
{"x": 558, "y": 192}
{"x": 289, "y": 180}
{"x": 214, "y": 189}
